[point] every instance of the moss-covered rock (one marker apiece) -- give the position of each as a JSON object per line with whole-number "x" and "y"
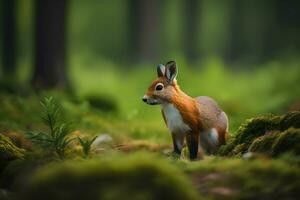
{"x": 130, "y": 177}
{"x": 260, "y": 134}
{"x": 287, "y": 141}
{"x": 263, "y": 144}
{"x": 8, "y": 151}
{"x": 291, "y": 119}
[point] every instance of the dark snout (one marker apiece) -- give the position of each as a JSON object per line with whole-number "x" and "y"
{"x": 149, "y": 100}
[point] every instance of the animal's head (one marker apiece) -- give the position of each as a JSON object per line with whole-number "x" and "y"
{"x": 164, "y": 87}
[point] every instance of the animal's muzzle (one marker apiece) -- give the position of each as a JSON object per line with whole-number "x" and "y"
{"x": 148, "y": 100}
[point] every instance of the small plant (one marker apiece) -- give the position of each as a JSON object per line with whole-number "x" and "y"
{"x": 86, "y": 145}
{"x": 57, "y": 138}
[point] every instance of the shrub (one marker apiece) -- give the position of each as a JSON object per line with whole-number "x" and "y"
{"x": 57, "y": 138}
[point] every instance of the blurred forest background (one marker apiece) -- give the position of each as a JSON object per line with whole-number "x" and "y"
{"x": 245, "y": 54}
{"x": 97, "y": 59}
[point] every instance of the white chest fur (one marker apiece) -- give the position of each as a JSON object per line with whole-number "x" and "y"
{"x": 174, "y": 119}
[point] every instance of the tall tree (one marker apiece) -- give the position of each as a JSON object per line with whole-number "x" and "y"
{"x": 9, "y": 38}
{"x": 283, "y": 32}
{"x": 50, "y": 44}
{"x": 236, "y": 39}
{"x": 142, "y": 28}
{"x": 190, "y": 29}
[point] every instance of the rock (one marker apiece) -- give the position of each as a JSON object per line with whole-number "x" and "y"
{"x": 101, "y": 140}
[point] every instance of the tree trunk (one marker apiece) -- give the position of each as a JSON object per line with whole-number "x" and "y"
{"x": 9, "y": 39}
{"x": 236, "y": 39}
{"x": 142, "y": 29}
{"x": 50, "y": 45}
{"x": 191, "y": 28}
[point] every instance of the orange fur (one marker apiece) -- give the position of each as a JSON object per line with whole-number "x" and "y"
{"x": 201, "y": 114}
{"x": 188, "y": 108}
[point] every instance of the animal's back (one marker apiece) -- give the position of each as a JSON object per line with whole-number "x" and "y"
{"x": 211, "y": 114}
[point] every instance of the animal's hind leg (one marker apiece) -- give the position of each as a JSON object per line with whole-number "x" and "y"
{"x": 193, "y": 143}
{"x": 209, "y": 140}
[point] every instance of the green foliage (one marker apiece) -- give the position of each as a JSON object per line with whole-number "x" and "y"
{"x": 272, "y": 135}
{"x": 134, "y": 177}
{"x": 57, "y": 138}
{"x": 86, "y": 145}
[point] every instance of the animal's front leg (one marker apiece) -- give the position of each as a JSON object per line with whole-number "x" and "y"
{"x": 192, "y": 140}
{"x": 178, "y": 142}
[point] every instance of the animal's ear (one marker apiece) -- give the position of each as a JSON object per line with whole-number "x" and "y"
{"x": 171, "y": 71}
{"x": 161, "y": 70}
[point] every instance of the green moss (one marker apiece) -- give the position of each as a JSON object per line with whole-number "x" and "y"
{"x": 230, "y": 178}
{"x": 258, "y": 135}
{"x": 256, "y": 127}
{"x": 278, "y": 143}
{"x": 238, "y": 149}
{"x": 16, "y": 173}
{"x": 225, "y": 150}
{"x": 287, "y": 141}
{"x": 291, "y": 119}
{"x": 247, "y": 132}
{"x": 133, "y": 177}
{"x": 263, "y": 144}
{"x": 8, "y": 151}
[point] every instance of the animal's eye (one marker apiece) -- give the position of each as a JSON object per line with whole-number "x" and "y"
{"x": 159, "y": 87}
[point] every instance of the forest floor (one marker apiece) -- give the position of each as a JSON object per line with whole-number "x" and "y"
{"x": 131, "y": 159}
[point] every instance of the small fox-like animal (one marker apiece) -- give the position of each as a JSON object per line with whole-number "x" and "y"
{"x": 198, "y": 120}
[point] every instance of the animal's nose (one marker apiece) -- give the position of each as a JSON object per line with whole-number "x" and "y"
{"x": 144, "y": 99}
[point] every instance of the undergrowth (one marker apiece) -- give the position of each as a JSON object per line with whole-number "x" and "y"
{"x": 57, "y": 138}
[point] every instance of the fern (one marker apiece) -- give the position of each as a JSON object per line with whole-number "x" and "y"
{"x": 57, "y": 139}
{"x": 86, "y": 145}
